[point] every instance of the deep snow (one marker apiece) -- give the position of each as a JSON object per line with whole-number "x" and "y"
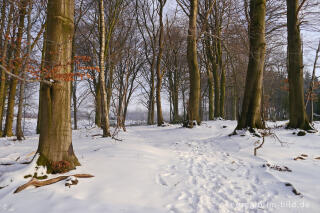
{"x": 172, "y": 169}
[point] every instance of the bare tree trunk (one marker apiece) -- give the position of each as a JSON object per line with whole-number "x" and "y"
{"x": 74, "y": 85}
{"x": 2, "y": 22}
{"x": 17, "y": 67}
{"x": 312, "y": 81}
{"x": 211, "y": 95}
{"x": 297, "y": 113}
{"x": 19, "y": 132}
{"x": 216, "y": 79}
{"x": 75, "y": 108}
{"x": 159, "y": 72}
{"x": 55, "y": 143}
{"x": 184, "y": 105}
{"x": 43, "y": 55}
{"x": 210, "y": 64}
{"x": 98, "y": 104}
{"x": 192, "y": 57}
{"x": 222, "y": 92}
{"x": 176, "y": 94}
{"x": 38, "y": 117}
{"x": 251, "y": 107}
{"x": 234, "y": 103}
{"x": 221, "y": 69}
{"x": 3, "y": 62}
{"x": 151, "y": 95}
{"x": 110, "y": 86}
{"x": 104, "y": 104}
{"x": 311, "y": 87}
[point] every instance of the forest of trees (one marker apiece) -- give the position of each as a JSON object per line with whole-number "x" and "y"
{"x": 208, "y": 59}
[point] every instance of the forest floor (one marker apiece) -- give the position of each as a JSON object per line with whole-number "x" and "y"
{"x": 173, "y": 169}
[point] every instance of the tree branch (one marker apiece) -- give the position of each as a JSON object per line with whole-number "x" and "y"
{"x": 23, "y": 79}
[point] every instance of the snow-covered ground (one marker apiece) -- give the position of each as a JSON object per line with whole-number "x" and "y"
{"x": 173, "y": 169}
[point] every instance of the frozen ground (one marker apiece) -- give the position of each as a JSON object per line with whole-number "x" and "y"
{"x": 172, "y": 169}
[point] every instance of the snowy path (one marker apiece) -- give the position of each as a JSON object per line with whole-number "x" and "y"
{"x": 206, "y": 178}
{"x": 169, "y": 169}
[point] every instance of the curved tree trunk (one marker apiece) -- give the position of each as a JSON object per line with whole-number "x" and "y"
{"x": 297, "y": 114}
{"x": 55, "y": 143}
{"x": 251, "y": 108}
{"x": 192, "y": 57}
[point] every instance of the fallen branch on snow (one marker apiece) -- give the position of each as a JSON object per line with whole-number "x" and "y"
{"x": 37, "y": 183}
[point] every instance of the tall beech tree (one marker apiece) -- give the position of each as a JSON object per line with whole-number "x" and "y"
{"x": 55, "y": 144}
{"x": 251, "y": 107}
{"x": 297, "y": 113}
{"x": 194, "y": 72}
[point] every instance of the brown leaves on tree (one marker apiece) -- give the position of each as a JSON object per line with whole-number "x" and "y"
{"x": 56, "y": 72}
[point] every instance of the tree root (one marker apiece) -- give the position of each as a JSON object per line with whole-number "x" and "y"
{"x": 37, "y": 183}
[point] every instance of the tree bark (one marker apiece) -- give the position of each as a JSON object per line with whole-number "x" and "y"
{"x": 251, "y": 108}
{"x": 192, "y": 57}
{"x": 55, "y": 143}
{"x": 297, "y": 114}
